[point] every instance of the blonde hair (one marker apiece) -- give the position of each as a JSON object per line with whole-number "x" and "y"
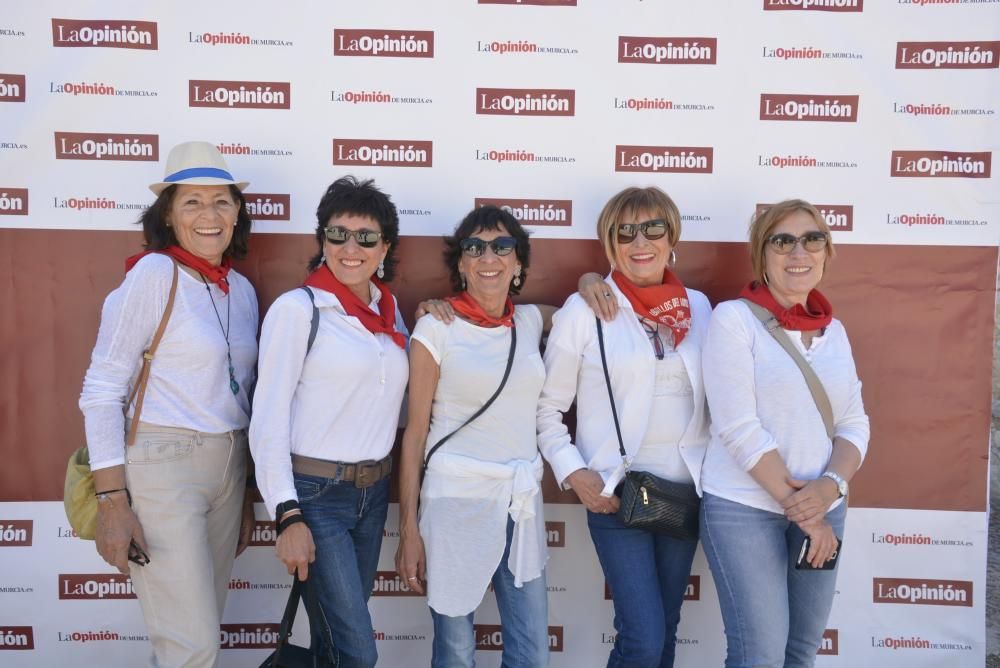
{"x": 765, "y": 222}
{"x": 630, "y": 203}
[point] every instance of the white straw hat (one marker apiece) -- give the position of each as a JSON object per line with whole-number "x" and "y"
{"x": 196, "y": 163}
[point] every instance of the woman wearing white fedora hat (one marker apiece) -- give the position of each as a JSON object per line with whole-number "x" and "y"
{"x": 170, "y": 483}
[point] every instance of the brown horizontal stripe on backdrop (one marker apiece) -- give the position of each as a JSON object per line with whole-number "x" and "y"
{"x": 918, "y": 318}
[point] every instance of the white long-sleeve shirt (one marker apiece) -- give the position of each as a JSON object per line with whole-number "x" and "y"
{"x": 760, "y": 402}
{"x": 574, "y": 371}
{"x": 339, "y": 403}
{"x": 189, "y": 376}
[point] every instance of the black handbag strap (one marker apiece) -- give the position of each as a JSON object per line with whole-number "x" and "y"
{"x": 314, "y": 323}
{"x": 611, "y": 396}
{"x": 288, "y": 619}
{"x": 489, "y": 402}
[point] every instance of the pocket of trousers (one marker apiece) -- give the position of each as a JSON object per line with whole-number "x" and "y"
{"x": 154, "y": 449}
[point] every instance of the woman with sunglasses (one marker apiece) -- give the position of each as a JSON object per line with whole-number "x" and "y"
{"x": 772, "y": 475}
{"x": 480, "y": 518}
{"x": 653, "y": 349}
{"x": 333, "y": 369}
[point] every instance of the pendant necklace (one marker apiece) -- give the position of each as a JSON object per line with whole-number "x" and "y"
{"x": 233, "y": 385}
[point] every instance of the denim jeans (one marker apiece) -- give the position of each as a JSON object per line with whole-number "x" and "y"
{"x": 648, "y": 575}
{"x": 524, "y": 624}
{"x": 346, "y": 524}
{"x": 774, "y": 614}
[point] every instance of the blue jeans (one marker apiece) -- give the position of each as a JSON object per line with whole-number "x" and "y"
{"x": 524, "y": 624}
{"x": 648, "y": 575}
{"x": 346, "y": 524}
{"x": 774, "y": 614}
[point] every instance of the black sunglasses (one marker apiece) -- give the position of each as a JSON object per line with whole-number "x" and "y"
{"x": 785, "y": 243}
{"x": 339, "y": 235}
{"x": 651, "y": 229}
{"x": 475, "y": 247}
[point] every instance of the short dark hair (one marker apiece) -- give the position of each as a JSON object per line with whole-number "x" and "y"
{"x": 158, "y": 235}
{"x": 486, "y": 218}
{"x": 347, "y": 195}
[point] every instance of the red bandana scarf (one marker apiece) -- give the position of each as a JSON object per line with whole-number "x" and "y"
{"x": 666, "y": 303}
{"x": 212, "y": 274}
{"x": 816, "y": 314}
{"x": 382, "y": 322}
{"x": 469, "y": 308}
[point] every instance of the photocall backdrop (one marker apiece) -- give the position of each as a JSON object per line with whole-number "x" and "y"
{"x": 883, "y": 113}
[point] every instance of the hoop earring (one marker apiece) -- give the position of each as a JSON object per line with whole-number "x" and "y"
{"x": 381, "y": 270}
{"x": 673, "y": 257}
{"x": 766, "y": 282}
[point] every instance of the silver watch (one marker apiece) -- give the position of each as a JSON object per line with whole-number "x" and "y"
{"x": 842, "y": 487}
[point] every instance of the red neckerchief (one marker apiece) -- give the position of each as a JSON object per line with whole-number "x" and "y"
{"x": 382, "y": 322}
{"x": 666, "y": 303}
{"x": 816, "y": 314}
{"x": 212, "y": 273}
{"x": 469, "y": 308}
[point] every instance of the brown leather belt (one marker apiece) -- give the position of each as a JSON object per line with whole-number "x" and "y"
{"x": 362, "y": 474}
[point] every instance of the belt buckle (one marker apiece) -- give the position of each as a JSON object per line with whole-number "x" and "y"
{"x": 366, "y": 473}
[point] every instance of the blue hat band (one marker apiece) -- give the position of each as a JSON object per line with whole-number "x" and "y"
{"x": 196, "y": 172}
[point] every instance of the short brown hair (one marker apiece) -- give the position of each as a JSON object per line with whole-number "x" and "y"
{"x": 630, "y": 202}
{"x": 765, "y": 222}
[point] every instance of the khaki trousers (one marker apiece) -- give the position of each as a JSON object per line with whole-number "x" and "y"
{"x": 187, "y": 491}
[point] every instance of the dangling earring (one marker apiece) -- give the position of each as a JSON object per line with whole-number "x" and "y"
{"x": 673, "y": 257}
{"x": 462, "y": 276}
{"x": 765, "y": 279}
{"x": 381, "y": 270}
{"x": 517, "y": 278}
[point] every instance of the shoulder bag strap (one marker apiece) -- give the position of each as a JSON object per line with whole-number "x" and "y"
{"x": 314, "y": 323}
{"x": 607, "y": 380}
{"x": 139, "y": 391}
{"x": 812, "y": 380}
{"x": 288, "y": 619}
{"x": 489, "y": 402}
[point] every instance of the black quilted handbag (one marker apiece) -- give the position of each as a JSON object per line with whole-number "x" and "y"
{"x": 648, "y": 501}
{"x": 658, "y": 505}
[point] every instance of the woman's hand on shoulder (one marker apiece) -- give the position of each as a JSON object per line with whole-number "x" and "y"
{"x": 598, "y": 295}
{"x": 441, "y": 309}
{"x": 411, "y": 560}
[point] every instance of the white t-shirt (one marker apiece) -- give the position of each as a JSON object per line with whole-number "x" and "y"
{"x": 189, "y": 376}
{"x": 673, "y": 406}
{"x": 490, "y": 469}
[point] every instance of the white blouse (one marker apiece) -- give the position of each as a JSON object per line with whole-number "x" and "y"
{"x": 341, "y": 402}
{"x": 189, "y": 376}
{"x": 490, "y": 469}
{"x": 574, "y": 373}
{"x": 760, "y": 402}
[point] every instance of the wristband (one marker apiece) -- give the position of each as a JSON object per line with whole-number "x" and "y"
{"x": 106, "y": 495}
{"x": 284, "y": 507}
{"x": 289, "y": 521}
